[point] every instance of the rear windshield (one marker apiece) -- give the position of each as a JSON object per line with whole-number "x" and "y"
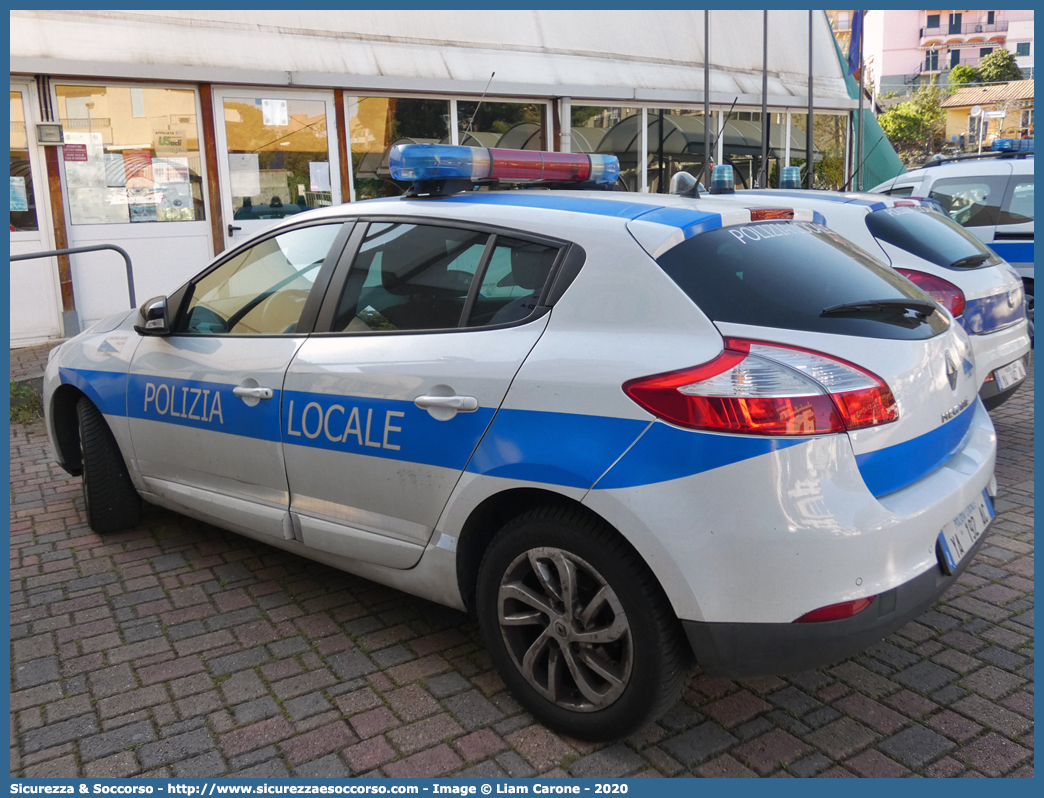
{"x": 929, "y": 235}
{"x": 786, "y": 274}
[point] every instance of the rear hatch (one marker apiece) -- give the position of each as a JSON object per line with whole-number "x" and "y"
{"x": 991, "y": 289}
{"x": 799, "y": 307}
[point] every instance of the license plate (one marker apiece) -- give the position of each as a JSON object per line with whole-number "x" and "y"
{"x": 1010, "y": 374}
{"x": 958, "y": 537}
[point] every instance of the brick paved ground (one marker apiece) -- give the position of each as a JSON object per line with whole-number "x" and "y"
{"x": 179, "y": 650}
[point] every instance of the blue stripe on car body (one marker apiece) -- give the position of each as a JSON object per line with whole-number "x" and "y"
{"x": 887, "y": 470}
{"x": 1014, "y": 251}
{"x": 567, "y": 449}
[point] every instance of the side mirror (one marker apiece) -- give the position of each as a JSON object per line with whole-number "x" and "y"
{"x": 152, "y": 317}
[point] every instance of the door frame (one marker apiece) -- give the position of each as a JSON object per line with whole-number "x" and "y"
{"x": 44, "y": 234}
{"x": 219, "y": 94}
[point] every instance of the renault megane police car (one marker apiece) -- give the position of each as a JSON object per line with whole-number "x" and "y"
{"x": 622, "y": 429}
{"x": 982, "y": 292}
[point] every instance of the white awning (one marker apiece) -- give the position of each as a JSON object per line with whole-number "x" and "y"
{"x": 615, "y": 56}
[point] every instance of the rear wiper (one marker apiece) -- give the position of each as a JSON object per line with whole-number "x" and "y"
{"x": 970, "y": 261}
{"x": 922, "y": 307}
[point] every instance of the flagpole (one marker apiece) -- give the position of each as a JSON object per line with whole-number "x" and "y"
{"x": 862, "y": 127}
{"x": 706, "y": 96}
{"x": 809, "y": 160}
{"x": 763, "y": 177}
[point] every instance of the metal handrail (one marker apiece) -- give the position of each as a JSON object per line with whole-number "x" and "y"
{"x": 93, "y": 248}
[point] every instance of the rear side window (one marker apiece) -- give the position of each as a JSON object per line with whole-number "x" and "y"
{"x": 1018, "y": 201}
{"x": 900, "y": 191}
{"x": 972, "y": 201}
{"x": 926, "y": 234}
{"x": 786, "y": 274}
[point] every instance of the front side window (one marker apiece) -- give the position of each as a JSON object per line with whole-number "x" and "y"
{"x": 131, "y": 154}
{"x": 410, "y": 277}
{"x": 261, "y": 290}
{"x": 970, "y": 201}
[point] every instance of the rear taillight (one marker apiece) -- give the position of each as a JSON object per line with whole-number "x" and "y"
{"x": 755, "y": 388}
{"x": 836, "y": 612}
{"x": 945, "y": 293}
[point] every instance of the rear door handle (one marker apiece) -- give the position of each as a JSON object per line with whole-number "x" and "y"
{"x": 252, "y": 393}
{"x": 462, "y": 404}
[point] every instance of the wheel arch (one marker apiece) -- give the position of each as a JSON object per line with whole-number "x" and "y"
{"x": 490, "y": 516}
{"x": 66, "y": 427}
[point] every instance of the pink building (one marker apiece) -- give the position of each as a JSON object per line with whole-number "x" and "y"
{"x": 904, "y": 48}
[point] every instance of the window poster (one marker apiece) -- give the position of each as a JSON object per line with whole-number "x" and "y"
{"x": 19, "y": 198}
{"x": 319, "y": 175}
{"x": 244, "y": 173}
{"x": 166, "y": 171}
{"x": 95, "y": 205}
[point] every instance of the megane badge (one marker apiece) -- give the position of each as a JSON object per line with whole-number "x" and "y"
{"x": 951, "y": 371}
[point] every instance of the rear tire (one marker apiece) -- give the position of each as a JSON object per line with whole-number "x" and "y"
{"x": 597, "y": 666}
{"x": 111, "y": 501}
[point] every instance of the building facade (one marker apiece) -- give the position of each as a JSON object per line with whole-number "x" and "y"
{"x": 905, "y": 48}
{"x": 988, "y": 112}
{"x": 186, "y": 131}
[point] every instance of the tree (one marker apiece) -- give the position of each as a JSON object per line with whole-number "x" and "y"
{"x": 962, "y": 74}
{"x": 915, "y": 127}
{"x": 999, "y": 67}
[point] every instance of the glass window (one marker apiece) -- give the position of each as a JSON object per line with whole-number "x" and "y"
{"x": 410, "y": 277}
{"x": 512, "y": 126}
{"x": 675, "y": 141}
{"x": 513, "y": 282}
{"x": 261, "y": 290}
{"x": 828, "y": 148}
{"x": 924, "y": 233}
{"x": 23, "y": 198}
{"x": 278, "y": 156}
{"x": 931, "y": 61}
{"x": 375, "y": 124}
{"x": 901, "y": 191}
{"x": 785, "y": 274}
{"x": 1018, "y": 201}
{"x": 984, "y": 51}
{"x": 1022, "y": 48}
{"x": 612, "y": 130}
{"x": 970, "y": 201}
{"x": 130, "y": 154}
{"x": 933, "y": 21}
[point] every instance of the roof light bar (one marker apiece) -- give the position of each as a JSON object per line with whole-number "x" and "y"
{"x": 415, "y": 162}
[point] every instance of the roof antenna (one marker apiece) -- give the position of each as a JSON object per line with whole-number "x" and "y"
{"x": 468, "y": 129}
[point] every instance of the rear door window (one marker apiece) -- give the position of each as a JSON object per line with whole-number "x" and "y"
{"x": 786, "y": 274}
{"x": 931, "y": 236}
{"x": 972, "y": 201}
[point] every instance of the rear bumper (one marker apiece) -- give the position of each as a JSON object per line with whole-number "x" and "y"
{"x": 739, "y": 650}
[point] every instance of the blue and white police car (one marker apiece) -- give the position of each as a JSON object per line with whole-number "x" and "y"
{"x": 980, "y": 290}
{"x": 622, "y": 429}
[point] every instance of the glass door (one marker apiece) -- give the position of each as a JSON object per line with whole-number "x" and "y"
{"x": 277, "y": 154}
{"x": 35, "y": 298}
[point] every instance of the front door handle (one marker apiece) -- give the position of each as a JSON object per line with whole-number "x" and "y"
{"x": 252, "y": 393}
{"x": 461, "y": 404}
{"x": 231, "y": 228}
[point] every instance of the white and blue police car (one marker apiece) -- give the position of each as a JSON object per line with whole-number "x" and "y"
{"x": 622, "y": 429}
{"x": 975, "y": 284}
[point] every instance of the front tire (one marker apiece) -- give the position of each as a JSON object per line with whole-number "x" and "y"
{"x": 578, "y": 626}
{"x": 111, "y": 501}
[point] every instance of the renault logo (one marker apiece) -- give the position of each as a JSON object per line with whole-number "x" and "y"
{"x": 951, "y": 371}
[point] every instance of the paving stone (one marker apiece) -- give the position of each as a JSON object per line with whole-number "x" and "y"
{"x": 35, "y": 672}
{"x": 842, "y": 738}
{"x": 768, "y": 752}
{"x": 992, "y": 682}
{"x": 258, "y": 709}
{"x": 992, "y": 716}
{"x": 306, "y": 706}
{"x": 330, "y": 766}
{"x": 699, "y": 744}
{"x": 447, "y": 684}
{"x": 485, "y": 770}
{"x": 993, "y": 755}
{"x": 200, "y": 767}
{"x": 613, "y": 762}
{"x": 810, "y": 765}
{"x": 175, "y": 749}
{"x": 916, "y": 746}
{"x": 925, "y": 677}
{"x": 473, "y": 710}
{"x": 55, "y": 734}
{"x": 102, "y": 745}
